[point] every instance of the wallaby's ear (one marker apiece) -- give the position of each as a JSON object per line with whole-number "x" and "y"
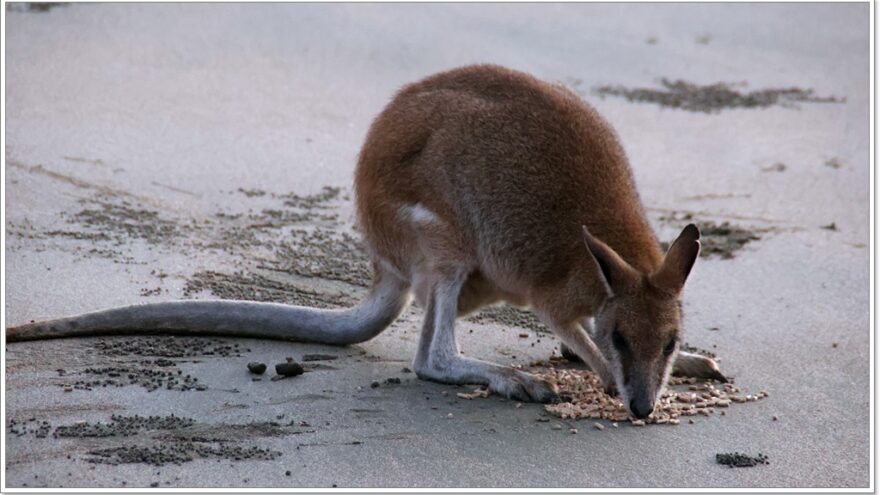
{"x": 679, "y": 260}
{"x": 615, "y": 272}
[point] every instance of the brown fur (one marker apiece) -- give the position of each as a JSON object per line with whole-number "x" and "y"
{"x": 511, "y": 170}
{"x": 514, "y": 167}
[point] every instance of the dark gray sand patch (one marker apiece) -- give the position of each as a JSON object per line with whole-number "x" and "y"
{"x": 255, "y": 287}
{"x": 319, "y": 357}
{"x": 776, "y": 167}
{"x": 160, "y": 440}
{"x": 509, "y": 316}
{"x": 169, "y": 346}
{"x": 301, "y": 235}
{"x": 123, "y": 220}
{"x": 178, "y": 453}
{"x": 34, "y": 7}
{"x": 722, "y": 240}
{"x": 834, "y": 163}
{"x": 30, "y": 426}
{"x": 252, "y": 193}
{"x": 318, "y": 200}
{"x": 712, "y": 98}
{"x": 151, "y": 374}
{"x": 326, "y": 254}
{"x": 740, "y": 460}
{"x": 122, "y": 426}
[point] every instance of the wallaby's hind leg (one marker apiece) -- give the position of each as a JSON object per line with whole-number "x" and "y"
{"x": 438, "y": 357}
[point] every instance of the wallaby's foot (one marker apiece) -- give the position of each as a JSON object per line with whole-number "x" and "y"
{"x": 697, "y": 366}
{"x": 524, "y": 387}
{"x": 506, "y": 382}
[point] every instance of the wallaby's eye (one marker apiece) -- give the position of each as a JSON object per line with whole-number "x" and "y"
{"x": 618, "y": 341}
{"x": 669, "y": 347}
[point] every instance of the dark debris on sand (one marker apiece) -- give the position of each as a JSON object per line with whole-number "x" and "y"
{"x": 712, "y": 98}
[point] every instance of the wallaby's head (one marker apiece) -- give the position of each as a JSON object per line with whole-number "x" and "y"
{"x": 638, "y": 327}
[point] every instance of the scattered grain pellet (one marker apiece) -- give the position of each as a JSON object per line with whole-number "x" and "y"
{"x": 449, "y": 416}
{"x": 556, "y": 426}
{"x": 598, "y": 426}
{"x": 573, "y": 431}
{"x": 523, "y": 335}
{"x": 638, "y": 422}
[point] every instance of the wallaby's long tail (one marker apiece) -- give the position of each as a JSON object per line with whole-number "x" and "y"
{"x": 388, "y": 297}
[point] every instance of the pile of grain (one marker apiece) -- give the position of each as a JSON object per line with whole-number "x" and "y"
{"x": 585, "y": 399}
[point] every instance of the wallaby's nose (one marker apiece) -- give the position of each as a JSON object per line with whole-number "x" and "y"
{"x": 641, "y": 409}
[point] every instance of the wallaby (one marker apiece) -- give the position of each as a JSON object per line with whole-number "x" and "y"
{"x": 474, "y": 186}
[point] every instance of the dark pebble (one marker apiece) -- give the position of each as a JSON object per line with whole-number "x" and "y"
{"x": 374, "y": 385}
{"x": 290, "y": 368}
{"x": 257, "y": 368}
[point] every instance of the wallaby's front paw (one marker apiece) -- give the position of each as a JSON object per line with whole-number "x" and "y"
{"x": 697, "y": 366}
{"x": 525, "y": 387}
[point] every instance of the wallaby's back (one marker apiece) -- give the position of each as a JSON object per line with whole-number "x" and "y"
{"x": 515, "y": 165}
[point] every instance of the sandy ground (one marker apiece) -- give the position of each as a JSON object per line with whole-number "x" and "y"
{"x": 162, "y": 151}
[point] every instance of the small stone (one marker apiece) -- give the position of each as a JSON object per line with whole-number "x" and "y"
{"x": 775, "y": 418}
{"x": 256, "y": 368}
{"x": 449, "y": 416}
{"x": 834, "y": 344}
{"x": 374, "y": 385}
{"x": 598, "y": 426}
{"x": 556, "y": 426}
{"x": 573, "y": 431}
{"x": 286, "y": 473}
{"x": 290, "y": 368}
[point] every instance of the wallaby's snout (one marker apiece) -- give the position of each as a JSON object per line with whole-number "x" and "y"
{"x": 641, "y": 407}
